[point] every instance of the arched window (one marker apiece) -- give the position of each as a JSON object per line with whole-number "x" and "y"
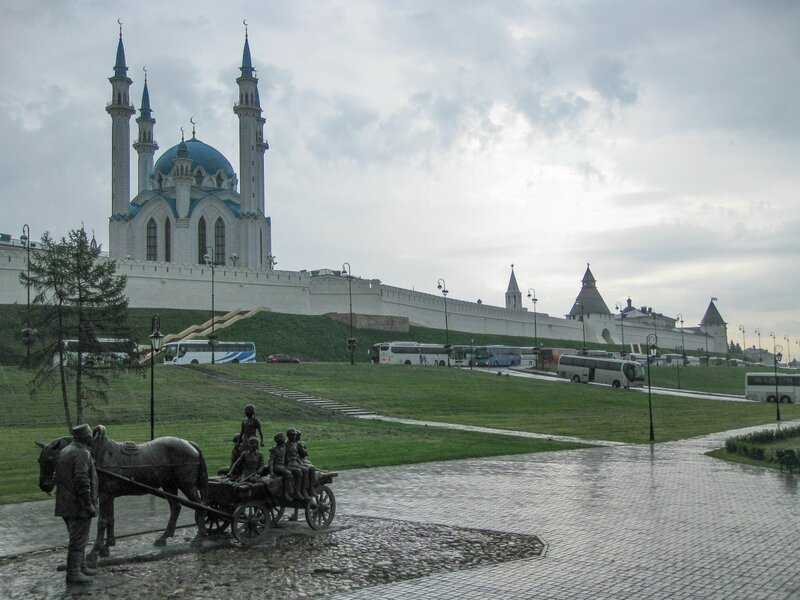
{"x": 152, "y": 240}
{"x": 219, "y": 180}
{"x": 201, "y": 240}
{"x": 219, "y": 241}
{"x": 119, "y": 98}
{"x": 198, "y": 178}
{"x": 160, "y": 182}
{"x": 167, "y": 241}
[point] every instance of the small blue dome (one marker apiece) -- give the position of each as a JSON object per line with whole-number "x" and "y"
{"x": 201, "y": 154}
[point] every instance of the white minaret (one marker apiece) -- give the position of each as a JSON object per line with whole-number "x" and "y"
{"x": 121, "y": 111}
{"x": 254, "y": 232}
{"x": 145, "y": 145}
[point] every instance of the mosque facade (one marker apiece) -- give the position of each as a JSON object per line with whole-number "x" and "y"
{"x": 191, "y": 207}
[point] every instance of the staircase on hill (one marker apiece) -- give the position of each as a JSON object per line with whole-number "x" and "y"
{"x": 203, "y": 329}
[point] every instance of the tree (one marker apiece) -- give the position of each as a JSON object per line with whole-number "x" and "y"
{"x": 81, "y": 298}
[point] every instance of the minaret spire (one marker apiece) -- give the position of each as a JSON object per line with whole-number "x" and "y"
{"x": 120, "y": 111}
{"x": 145, "y": 144}
{"x": 255, "y": 238}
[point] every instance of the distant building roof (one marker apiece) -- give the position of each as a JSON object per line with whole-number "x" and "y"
{"x": 712, "y": 316}
{"x": 589, "y": 300}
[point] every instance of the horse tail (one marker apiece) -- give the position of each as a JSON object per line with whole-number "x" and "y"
{"x": 202, "y": 475}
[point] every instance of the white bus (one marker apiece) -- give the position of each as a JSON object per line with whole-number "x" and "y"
{"x": 761, "y": 387}
{"x": 103, "y": 352}
{"x": 409, "y": 353}
{"x": 198, "y": 352}
{"x": 616, "y": 373}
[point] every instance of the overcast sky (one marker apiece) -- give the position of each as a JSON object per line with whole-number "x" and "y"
{"x": 657, "y": 140}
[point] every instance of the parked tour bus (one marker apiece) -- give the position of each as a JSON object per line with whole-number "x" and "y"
{"x": 409, "y": 353}
{"x": 198, "y": 352}
{"x": 761, "y": 387}
{"x": 103, "y": 352}
{"x": 505, "y": 356}
{"x": 616, "y": 373}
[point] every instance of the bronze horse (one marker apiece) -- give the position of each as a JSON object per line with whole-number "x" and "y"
{"x": 168, "y": 463}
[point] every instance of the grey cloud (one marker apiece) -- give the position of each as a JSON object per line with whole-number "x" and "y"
{"x": 607, "y": 76}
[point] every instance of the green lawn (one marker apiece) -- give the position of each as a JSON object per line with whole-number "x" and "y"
{"x": 724, "y": 380}
{"x": 473, "y": 398}
{"x": 193, "y": 406}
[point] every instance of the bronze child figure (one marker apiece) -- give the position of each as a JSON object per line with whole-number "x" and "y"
{"x": 251, "y": 461}
{"x": 76, "y": 500}
{"x": 277, "y": 465}
{"x": 295, "y": 464}
{"x": 250, "y": 425}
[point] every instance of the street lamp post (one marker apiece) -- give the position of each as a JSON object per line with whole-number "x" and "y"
{"x": 471, "y": 353}
{"x": 27, "y": 333}
{"x": 744, "y": 340}
{"x": 440, "y": 284}
{"x": 621, "y": 310}
{"x": 760, "y": 354}
{"x": 776, "y": 358}
{"x": 583, "y": 326}
{"x": 155, "y": 347}
{"x": 209, "y": 258}
{"x": 788, "y": 349}
{"x": 708, "y": 358}
{"x": 652, "y": 344}
{"x": 351, "y": 341}
{"x": 534, "y": 299}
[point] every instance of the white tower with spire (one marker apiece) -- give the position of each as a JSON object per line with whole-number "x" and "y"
{"x": 513, "y": 295}
{"x": 145, "y": 145}
{"x": 121, "y": 111}
{"x": 255, "y": 238}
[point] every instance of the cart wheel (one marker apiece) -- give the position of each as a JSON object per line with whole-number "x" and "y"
{"x": 321, "y": 516}
{"x": 276, "y": 514}
{"x": 214, "y": 524}
{"x": 250, "y": 521}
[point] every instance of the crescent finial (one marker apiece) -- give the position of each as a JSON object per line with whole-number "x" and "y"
{"x": 192, "y": 121}
{"x": 244, "y": 22}
{"x": 120, "y": 28}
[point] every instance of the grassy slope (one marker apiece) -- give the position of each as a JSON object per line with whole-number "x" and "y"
{"x": 479, "y": 399}
{"x": 206, "y": 411}
{"x": 309, "y": 337}
{"x": 726, "y": 380}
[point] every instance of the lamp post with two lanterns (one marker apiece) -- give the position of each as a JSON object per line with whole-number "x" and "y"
{"x": 534, "y": 299}
{"x": 351, "y": 341}
{"x": 209, "y": 258}
{"x": 441, "y": 285}
{"x": 155, "y": 347}
{"x": 27, "y": 333}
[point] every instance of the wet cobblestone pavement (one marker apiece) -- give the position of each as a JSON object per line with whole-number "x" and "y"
{"x": 619, "y": 522}
{"x": 294, "y": 562}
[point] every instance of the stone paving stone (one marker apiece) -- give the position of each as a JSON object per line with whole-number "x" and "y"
{"x": 622, "y": 522}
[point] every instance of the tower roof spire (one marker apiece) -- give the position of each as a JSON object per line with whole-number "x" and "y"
{"x": 247, "y": 62}
{"x": 144, "y": 109}
{"x": 120, "y": 68}
{"x": 513, "y": 288}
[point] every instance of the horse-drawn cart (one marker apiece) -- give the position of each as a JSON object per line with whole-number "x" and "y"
{"x": 252, "y": 507}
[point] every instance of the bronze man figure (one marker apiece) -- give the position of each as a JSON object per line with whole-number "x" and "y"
{"x": 277, "y": 465}
{"x": 76, "y": 499}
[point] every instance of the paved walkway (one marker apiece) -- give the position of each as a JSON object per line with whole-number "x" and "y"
{"x": 620, "y": 522}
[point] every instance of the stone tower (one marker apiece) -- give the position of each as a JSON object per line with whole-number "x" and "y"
{"x": 255, "y": 238}
{"x": 715, "y": 327}
{"x": 120, "y": 110}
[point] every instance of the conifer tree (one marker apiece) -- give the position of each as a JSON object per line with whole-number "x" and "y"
{"x": 81, "y": 298}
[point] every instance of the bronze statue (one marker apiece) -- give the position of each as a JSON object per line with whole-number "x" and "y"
{"x": 76, "y": 500}
{"x": 250, "y": 425}
{"x": 166, "y": 463}
{"x": 236, "y": 452}
{"x": 277, "y": 465}
{"x": 251, "y": 461}
{"x": 295, "y": 464}
{"x": 309, "y": 470}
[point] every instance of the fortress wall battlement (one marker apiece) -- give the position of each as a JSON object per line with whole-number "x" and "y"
{"x": 169, "y": 285}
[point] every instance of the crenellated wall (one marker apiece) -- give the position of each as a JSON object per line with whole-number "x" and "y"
{"x": 170, "y": 285}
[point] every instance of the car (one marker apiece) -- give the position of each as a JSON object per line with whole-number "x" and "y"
{"x": 282, "y": 358}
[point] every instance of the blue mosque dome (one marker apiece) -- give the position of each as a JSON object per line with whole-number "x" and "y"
{"x": 201, "y": 154}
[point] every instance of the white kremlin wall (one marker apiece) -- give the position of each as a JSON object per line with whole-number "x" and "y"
{"x": 169, "y": 285}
